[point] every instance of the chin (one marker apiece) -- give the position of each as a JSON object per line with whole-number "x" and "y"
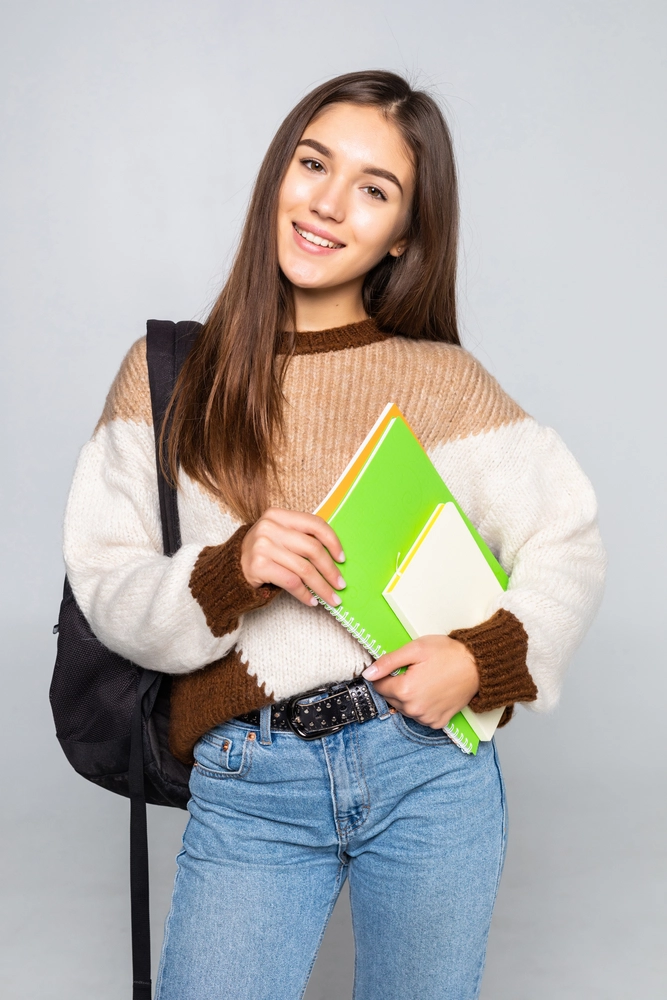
{"x": 305, "y": 276}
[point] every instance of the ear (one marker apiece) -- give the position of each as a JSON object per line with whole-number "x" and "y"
{"x": 398, "y": 248}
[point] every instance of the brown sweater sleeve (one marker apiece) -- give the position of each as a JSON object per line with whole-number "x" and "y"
{"x": 499, "y": 646}
{"x": 218, "y": 585}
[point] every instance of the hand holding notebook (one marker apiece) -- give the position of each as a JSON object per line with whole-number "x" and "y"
{"x": 393, "y": 514}
{"x": 294, "y": 551}
{"x": 438, "y": 677}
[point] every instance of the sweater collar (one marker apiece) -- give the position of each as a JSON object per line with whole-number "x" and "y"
{"x": 339, "y": 338}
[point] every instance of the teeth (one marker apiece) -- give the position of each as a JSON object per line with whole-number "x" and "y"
{"x": 317, "y": 240}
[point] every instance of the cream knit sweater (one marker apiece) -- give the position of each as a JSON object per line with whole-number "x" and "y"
{"x": 235, "y": 648}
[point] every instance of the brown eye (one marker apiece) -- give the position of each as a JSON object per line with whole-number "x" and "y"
{"x": 376, "y": 193}
{"x": 313, "y": 165}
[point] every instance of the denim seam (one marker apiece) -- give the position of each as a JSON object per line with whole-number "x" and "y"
{"x": 480, "y": 973}
{"x": 503, "y": 834}
{"x": 354, "y": 938}
{"x": 343, "y": 828}
{"x": 342, "y": 842}
{"x": 358, "y": 764}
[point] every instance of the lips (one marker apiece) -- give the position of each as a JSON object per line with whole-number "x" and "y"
{"x": 316, "y": 238}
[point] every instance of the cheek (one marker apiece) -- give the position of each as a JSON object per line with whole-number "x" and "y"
{"x": 374, "y": 232}
{"x": 293, "y": 196}
{"x": 295, "y": 191}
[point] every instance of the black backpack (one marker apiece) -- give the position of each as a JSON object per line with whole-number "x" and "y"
{"x": 112, "y": 716}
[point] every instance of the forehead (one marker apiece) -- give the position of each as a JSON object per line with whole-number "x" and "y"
{"x": 363, "y": 136}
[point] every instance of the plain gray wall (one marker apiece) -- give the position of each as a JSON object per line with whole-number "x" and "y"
{"x": 131, "y": 134}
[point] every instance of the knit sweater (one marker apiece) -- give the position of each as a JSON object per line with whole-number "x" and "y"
{"x": 233, "y": 648}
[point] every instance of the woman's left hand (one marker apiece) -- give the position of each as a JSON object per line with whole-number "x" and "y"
{"x": 441, "y": 679}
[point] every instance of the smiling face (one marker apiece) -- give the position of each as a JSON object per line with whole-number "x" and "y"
{"x": 345, "y": 200}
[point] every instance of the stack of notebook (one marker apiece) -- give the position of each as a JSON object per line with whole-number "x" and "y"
{"x": 415, "y": 565}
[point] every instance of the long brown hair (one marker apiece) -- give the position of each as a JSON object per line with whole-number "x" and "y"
{"x": 226, "y": 412}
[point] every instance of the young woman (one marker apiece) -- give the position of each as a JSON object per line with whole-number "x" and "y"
{"x": 341, "y": 299}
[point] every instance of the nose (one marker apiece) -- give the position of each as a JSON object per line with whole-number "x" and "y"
{"x": 328, "y": 201}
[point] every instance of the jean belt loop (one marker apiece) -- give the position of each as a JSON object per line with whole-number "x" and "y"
{"x": 380, "y": 703}
{"x": 265, "y": 726}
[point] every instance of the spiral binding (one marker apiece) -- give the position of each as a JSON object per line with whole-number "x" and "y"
{"x": 360, "y": 634}
{"x": 459, "y": 738}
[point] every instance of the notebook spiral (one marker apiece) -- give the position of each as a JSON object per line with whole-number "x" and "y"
{"x": 355, "y": 629}
{"x": 459, "y": 738}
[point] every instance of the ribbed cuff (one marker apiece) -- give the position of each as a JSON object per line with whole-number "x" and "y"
{"x": 499, "y": 646}
{"x": 218, "y": 585}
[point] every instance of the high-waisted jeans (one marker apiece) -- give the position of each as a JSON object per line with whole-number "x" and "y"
{"x": 276, "y": 826}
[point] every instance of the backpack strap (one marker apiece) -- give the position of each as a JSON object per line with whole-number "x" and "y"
{"x": 139, "y": 887}
{"x": 167, "y": 345}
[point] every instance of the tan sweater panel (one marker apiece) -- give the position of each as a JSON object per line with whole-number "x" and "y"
{"x": 334, "y": 399}
{"x": 129, "y": 397}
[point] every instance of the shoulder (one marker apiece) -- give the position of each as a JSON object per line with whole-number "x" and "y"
{"x": 129, "y": 397}
{"x": 447, "y": 393}
{"x": 448, "y": 361}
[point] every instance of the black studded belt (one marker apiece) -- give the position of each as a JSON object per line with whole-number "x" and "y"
{"x": 320, "y": 712}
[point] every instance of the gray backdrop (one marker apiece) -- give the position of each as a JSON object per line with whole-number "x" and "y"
{"x": 131, "y": 134}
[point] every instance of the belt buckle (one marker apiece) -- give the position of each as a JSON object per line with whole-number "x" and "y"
{"x": 301, "y": 727}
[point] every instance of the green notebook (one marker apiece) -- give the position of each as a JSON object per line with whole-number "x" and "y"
{"x": 377, "y": 508}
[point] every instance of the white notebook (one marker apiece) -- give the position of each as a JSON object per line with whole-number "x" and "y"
{"x": 443, "y": 583}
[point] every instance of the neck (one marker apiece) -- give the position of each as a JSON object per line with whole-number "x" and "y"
{"x": 327, "y": 308}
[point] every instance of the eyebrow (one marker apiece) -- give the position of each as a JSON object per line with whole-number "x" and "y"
{"x": 387, "y": 174}
{"x": 373, "y": 171}
{"x": 314, "y": 144}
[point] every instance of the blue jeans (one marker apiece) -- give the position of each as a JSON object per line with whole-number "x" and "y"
{"x": 276, "y": 826}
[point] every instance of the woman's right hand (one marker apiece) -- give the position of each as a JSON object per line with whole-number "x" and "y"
{"x": 294, "y": 551}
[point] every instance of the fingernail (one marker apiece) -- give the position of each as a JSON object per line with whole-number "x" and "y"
{"x": 341, "y": 583}
{"x": 336, "y": 601}
{"x": 314, "y": 601}
{"x": 370, "y": 672}
{"x": 341, "y": 557}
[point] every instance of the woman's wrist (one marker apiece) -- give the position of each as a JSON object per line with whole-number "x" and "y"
{"x": 219, "y": 585}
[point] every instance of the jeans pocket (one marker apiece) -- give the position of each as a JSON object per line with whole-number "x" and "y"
{"x": 418, "y": 733}
{"x": 222, "y": 756}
